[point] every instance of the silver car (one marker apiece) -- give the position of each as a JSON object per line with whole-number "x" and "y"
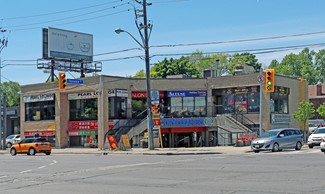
{"x": 278, "y": 139}
{"x": 12, "y": 139}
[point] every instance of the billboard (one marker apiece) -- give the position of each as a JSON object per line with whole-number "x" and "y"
{"x": 64, "y": 44}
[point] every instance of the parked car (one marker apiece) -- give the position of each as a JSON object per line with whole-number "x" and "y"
{"x": 12, "y": 139}
{"x": 278, "y": 139}
{"x": 312, "y": 127}
{"x": 322, "y": 145}
{"x": 316, "y": 138}
{"x": 31, "y": 146}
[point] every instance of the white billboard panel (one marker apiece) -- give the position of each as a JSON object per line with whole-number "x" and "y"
{"x": 65, "y": 44}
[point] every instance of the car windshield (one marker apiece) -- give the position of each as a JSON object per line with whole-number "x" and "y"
{"x": 322, "y": 130}
{"x": 11, "y": 137}
{"x": 270, "y": 134}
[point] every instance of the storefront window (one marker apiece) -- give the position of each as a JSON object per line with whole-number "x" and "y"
{"x": 138, "y": 106}
{"x": 188, "y": 106}
{"x": 241, "y": 102}
{"x": 253, "y": 102}
{"x": 83, "y": 109}
{"x": 117, "y": 107}
{"x": 44, "y": 110}
{"x": 229, "y": 103}
{"x": 279, "y": 103}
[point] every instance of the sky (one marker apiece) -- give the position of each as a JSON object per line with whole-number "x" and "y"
{"x": 174, "y": 22}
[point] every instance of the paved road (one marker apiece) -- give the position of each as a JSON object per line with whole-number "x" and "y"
{"x": 265, "y": 172}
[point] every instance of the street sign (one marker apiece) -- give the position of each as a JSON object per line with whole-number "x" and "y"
{"x": 75, "y": 81}
{"x": 260, "y": 79}
{"x": 154, "y": 97}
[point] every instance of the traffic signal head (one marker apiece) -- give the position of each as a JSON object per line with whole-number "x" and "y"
{"x": 62, "y": 81}
{"x": 269, "y": 83}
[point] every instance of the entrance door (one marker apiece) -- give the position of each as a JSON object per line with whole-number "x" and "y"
{"x": 219, "y": 105}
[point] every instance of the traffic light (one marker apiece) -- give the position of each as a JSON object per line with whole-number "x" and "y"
{"x": 62, "y": 81}
{"x": 269, "y": 84}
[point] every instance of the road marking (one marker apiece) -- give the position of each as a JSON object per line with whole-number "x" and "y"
{"x": 54, "y": 162}
{"x": 41, "y": 167}
{"x": 3, "y": 177}
{"x": 26, "y": 171}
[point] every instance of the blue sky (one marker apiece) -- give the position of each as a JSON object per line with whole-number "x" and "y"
{"x": 175, "y": 22}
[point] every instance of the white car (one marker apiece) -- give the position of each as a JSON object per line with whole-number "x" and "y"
{"x": 316, "y": 138}
{"x": 12, "y": 139}
{"x": 322, "y": 145}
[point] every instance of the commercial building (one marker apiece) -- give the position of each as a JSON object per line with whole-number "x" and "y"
{"x": 193, "y": 111}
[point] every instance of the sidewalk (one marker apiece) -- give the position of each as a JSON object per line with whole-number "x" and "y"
{"x": 230, "y": 150}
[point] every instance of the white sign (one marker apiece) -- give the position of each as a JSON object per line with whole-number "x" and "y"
{"x": 260, "y": 79}
{"x": 38, "y": 98}
{"x": 70, "y": 45}
{"x": 280, "y": 118}
{"x": 82, "y": 95}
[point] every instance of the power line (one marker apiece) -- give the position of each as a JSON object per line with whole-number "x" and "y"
{"x": 114, "y": 52}
{"x": 242, "y": 40}
{"x": 74, "y": 21}
{"x": 255, "y": 51}
{"x": 58, "y": 12}
{"x": 66, "y": 18}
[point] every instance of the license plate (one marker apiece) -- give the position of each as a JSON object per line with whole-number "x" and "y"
{"x": 256, "y": 146}
{"x": 44, "y": 145}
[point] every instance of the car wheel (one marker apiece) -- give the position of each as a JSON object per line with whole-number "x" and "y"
{"x": 9, "y": 145}
{"x": 298, "y": 146}
{"x": 256, "y": 151}
{"x": 275, "y": 147}
{"x": 310, "y": 146}
{"x": 13, "y": 151}
{"x": 31, "y": 151}
{"x": 47, "y": 153}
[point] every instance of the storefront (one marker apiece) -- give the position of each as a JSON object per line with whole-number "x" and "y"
{"x": 241, "y": 99}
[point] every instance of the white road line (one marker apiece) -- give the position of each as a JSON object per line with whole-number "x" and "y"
{"x": 1, "y": 177}
{"x": 41, "y": 167}
{"x": 26, "y": 171}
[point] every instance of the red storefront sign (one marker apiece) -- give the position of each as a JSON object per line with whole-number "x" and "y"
{"x": 41, "y": 133}
{"x": 112, "y": 142}
{"x": 144, "y": 94}
{"x": 87, "y": 125}
{"x": 156, "y": 122}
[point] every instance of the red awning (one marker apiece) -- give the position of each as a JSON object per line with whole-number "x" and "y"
{"x": 183, "y": 129}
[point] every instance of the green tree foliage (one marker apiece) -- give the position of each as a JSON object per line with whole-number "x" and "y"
{"x": 305, "y": 112}
{"x": 321, "y": 110}
{"x": 242, "y": 59}
{"x": 12, "y": 89}
{"x": 307, "y": 64}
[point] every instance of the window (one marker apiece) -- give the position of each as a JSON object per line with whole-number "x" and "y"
{"x": 279, "y": 103}
{"x": 253, "y": 102}
{"x": 229, "y": 103}
{"x": 83, "y": 109}
{"x": 241, "y": 102}
{"x": 188, "y": 106}
{"x": 117, "y": 107}
{"x": 35, "y": 111}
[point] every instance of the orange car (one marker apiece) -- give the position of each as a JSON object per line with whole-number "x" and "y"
{"x": 31, "y": 146}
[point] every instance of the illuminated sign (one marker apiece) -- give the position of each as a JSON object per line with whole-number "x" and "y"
{"x": 187, "y": 122}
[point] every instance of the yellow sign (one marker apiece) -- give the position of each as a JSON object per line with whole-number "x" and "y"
{"x": 51, "y": 128}
{"x": 146, "y": 135}
{"x": 126, "y": 141}
{"x": 38, "y": 115}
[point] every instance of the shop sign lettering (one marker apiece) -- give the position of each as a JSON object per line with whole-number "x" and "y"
{"x": 187, "y": 122}
{"x": 41, "y": 133}
{"x": 38, "y": 98}
{"x": 187, "y": 93}
{"x": 144, "y": 94}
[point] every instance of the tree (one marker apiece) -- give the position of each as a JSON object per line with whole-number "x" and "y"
{"x": 305, "y": 112}
{"x": 242, "y": 59}
{"x": 307, "y": 64}
{"x": 12, "y": 89}
{"x": 321, "y": 110}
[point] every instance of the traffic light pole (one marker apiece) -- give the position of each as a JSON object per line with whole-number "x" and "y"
{"x": 261, "y": 103}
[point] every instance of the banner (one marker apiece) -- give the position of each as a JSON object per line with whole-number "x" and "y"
{"x": 112, "y": 142}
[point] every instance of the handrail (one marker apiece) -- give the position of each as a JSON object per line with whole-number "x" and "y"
{"x": 120, "y": 129}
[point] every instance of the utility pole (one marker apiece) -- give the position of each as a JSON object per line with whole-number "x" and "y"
{"x": 146, "y": 49}
{"x": 4, "y": 120}
{"x": 3, "y": 44}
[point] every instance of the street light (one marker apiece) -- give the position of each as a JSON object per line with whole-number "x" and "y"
{"x": 146, "y": 49}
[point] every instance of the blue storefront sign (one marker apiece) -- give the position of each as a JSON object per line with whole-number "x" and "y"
{"x": 187, "y": 122}
{"x": 191, "y": 93}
